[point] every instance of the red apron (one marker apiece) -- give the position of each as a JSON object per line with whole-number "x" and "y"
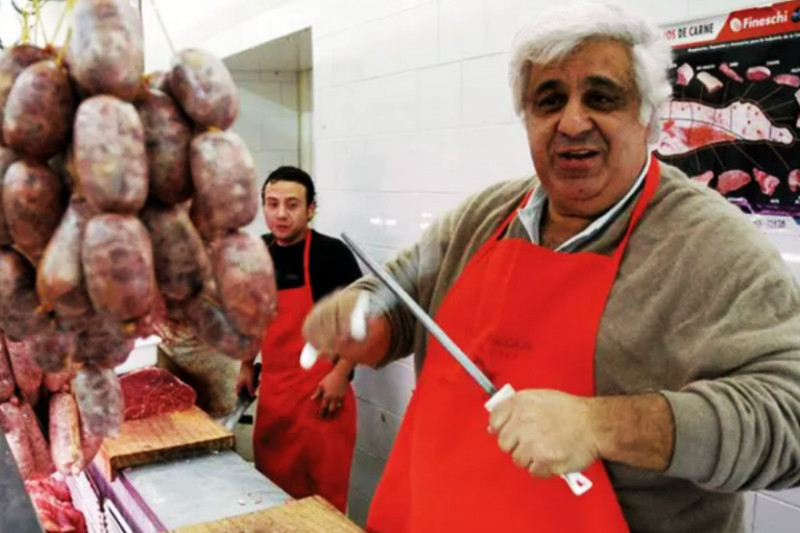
{"x": 527, "y": 316}
{"x": 295, "y": 448}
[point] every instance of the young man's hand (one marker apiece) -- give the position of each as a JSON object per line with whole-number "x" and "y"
{"x": 331, "y": 391}
{"x": 245, "y": 380}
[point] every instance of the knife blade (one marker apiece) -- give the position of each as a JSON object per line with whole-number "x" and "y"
{"x": 243, "y": 401}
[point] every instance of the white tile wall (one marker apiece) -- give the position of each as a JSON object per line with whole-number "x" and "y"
{"x": 418, "y": 33}
{"x": 370, "y": 469}
{"x": 358, "y": 504}
{"x": 412, "y": 112}
{"x": 791, "y": 497}
{"x": 268, "y": 123}
{"x": 440, "y": 100}
{"x": 702, "y": 8}
{"x": 774, "y": 516}
{"x": 667, "y": 11}
{"x": 389, "y": 388}
{"x": 501, "y": 19}
{"x": 378, "y": 429}
{"x": 485, "y": 102}
{"x": 462, "y": 29}
{"x": 385, "y": 105}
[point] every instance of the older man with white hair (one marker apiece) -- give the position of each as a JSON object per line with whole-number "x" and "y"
{"x": 651, "y": 332}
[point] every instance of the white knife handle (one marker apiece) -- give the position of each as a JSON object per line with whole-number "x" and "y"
{"x": 505, "y": 392}
{"x": 358, "y": 318}
{"x": 308, "y": 357}
{"x": 577, "y": 482}
{"x": 358, "y": 330}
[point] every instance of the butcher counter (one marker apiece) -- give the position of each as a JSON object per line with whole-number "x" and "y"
{"x": 208, "y": 491}
{"x": 173, "y": 472}
{"x": 217, "y": 492}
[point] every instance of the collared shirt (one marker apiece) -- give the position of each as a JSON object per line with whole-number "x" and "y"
{"x": 531, "y": 215}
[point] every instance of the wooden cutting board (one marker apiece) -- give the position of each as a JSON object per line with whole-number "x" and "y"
{"x": 309, "y": 515}
{"x": 161, "y": 438}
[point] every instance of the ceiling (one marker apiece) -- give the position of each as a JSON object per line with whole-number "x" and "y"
{"x": 287, "y": 54}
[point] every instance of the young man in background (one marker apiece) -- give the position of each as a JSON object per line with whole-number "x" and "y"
{"x": 305, "y": 428}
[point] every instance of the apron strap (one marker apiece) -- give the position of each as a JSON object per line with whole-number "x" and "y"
{"x": 307, "y": 261}
{"x": 484, "y": 249}
{"x": 306, "y": 258}
{"x": 650, "y": 185}
{"x": 507, "y": 222}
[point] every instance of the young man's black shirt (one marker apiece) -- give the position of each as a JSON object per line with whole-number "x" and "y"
{"x": 331, "y": 264}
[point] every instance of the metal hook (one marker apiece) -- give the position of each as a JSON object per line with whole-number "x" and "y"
{"x": 20, "y": 11}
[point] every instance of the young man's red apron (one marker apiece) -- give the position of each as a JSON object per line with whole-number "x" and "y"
{"x": 527, "y": 316}
{"x": 295, "y": 448}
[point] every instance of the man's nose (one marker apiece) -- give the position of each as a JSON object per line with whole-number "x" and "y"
{"x": 575, "y": 120}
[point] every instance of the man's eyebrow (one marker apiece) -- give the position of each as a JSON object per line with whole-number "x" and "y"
{"x": 547, "y": 85}
{"x": 273, "y": 196}
{"x": 602, "y": 82}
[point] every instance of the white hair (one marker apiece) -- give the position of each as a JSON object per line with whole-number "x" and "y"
{"x": 555, "y": 33}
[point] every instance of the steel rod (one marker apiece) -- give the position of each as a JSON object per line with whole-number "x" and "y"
{"x": 432, "y": 327}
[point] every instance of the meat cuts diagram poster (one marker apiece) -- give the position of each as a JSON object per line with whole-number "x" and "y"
{"x": 734, "y": 120}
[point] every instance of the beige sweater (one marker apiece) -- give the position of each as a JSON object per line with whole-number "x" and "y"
{"x": 703, "y": 309}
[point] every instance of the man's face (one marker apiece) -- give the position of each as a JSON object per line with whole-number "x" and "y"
{"x": 582, "y": 118}
{"x": 286, "y": 211}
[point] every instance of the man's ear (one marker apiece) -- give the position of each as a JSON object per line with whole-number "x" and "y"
{"x": 312, "y": 211}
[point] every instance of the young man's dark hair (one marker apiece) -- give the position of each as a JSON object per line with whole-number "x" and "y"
{"x": 287, "y": 173}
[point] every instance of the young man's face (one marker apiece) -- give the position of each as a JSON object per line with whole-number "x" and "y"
{"x": 286, "y": 211}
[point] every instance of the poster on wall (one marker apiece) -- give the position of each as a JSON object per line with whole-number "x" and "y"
{"x": 734, "y": 120}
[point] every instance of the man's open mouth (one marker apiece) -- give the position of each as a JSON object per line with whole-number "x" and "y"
{"x": 578, "y": 155}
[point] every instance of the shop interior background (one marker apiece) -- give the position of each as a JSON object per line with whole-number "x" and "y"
{"x": 399, "y": 109}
